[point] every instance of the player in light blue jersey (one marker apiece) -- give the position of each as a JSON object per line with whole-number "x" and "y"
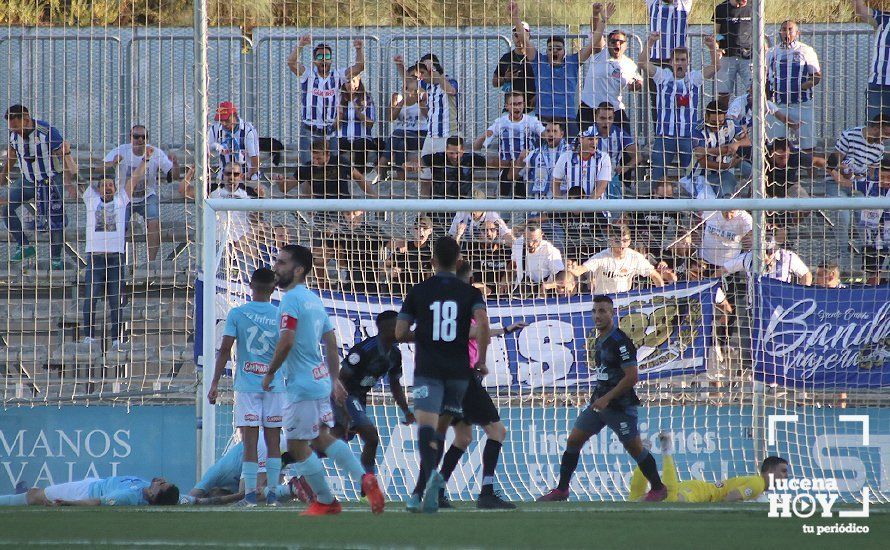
{"x": 311, "y": 382}
{"x": 109, "y": 491}
{"x": 254, "y": 327}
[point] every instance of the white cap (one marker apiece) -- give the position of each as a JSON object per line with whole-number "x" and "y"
{"x": 524, "y": 26}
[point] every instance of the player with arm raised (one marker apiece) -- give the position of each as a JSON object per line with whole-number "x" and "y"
{"x": 365, "y": 364}
{"x": 311, "y": 382}
{"x": 109, "y": 491}
{"x": 254, "y": 327}
{"x": 442, "y": 307}
{"x": 734, "y": 489}
{"x": 613, "y": 403}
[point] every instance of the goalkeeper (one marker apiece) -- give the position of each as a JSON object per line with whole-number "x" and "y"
{"x": 734, "y": 489}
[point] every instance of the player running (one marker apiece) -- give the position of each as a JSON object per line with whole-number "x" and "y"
{"x": 254, "y": 327}
{"x": 310, "y": 385}
{"x": 442, "y": 307}
{"x": 365, "y": 364}
{"x": 109, "y": 491}
{"x": 613, "y": 404}
{"x": 734, "y": 489}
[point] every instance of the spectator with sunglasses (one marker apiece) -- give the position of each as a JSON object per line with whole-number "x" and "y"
{"x": 320, "y": 87}
{"x": 126, "y": 160}
{"x": 515, "y": 71}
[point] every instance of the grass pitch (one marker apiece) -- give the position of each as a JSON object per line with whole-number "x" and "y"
{"x": 556, "y": 525}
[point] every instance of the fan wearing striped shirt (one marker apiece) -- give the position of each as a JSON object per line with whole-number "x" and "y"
{"x": 517, "y": 134}
{"x": 617, "y": 141}
{"x": 356, "y": 115}
{"x": 778, "y": 263}
{"x": 874, "y": 225}
{"x": 539, "y": 162}
{"x": 715, "y": 150}
{"x": 678, "y": 92}
{"x": 877, "y": 96}
{"x": 793, "y": 71}
{"x": 320, "y": 87}
{"x": 586, "y": 167}
{"x": 438, "y": 103}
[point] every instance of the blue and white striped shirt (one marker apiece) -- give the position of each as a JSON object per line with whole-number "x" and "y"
{"x": 874, "y": 225}
{"x": 320, "y": 97}
{"x": 351, "y": 128}
{"x": 573, "y": 171}
{"x": 35, "y": 152}
{"x": 515, "y": 137}
{"x": 441, "y": 118}
{"x": 880, "y": 64}
{"x": 710, "y": 138}
{"x": 785, "y": 265}
{"x": 671, "y": 20}
{"x": 677, "y": 102}
{"x": 859, "y": 154}
{"x": 615, "y": 143}
{"x": 539, "y": 169}
{"x": 789, "y": 67}
{"x": 238, "y": 146}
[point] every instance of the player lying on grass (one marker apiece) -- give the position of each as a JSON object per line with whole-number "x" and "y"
{"x": 254, "y": 327}
{"x": 223, "y": 483}
{"x": 365, "y": 364}
{"x": 734, "y": 489}
{"x": 613, "y": 403}
{"x": 478, "y": 410}
{"x": 109, "y": 491}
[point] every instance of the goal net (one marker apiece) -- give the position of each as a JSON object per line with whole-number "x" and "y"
{"x": 776, "y": 356}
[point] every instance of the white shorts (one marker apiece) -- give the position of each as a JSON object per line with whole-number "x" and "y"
{"x": 74, "y": 490}
{"x": 260, "y": 409}
{"x": 303, "y": 419}
{"x": 431, "y": 146}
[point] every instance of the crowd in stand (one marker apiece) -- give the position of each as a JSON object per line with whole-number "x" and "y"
{"x": 565, "y": 132}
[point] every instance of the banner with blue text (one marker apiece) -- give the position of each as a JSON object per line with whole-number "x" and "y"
{"x": 822, "y": 337}
{"x": 671, "y": 327}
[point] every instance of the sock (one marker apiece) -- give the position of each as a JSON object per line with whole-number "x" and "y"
{"x": 426, "y": 435}
{"x": 14, "y": 500}
{"x": 669, "y": 475}
{"x": 273, "y": 472}
{"x": 567, "y": 467}
{"x": 490, "y": 455}
{"x": 248, "y": 472}
{"x": 647, "y": 465}
{"x": 451, "y": 460}
{"x": 343, "y": 457}
{"x": 312, "y": 471}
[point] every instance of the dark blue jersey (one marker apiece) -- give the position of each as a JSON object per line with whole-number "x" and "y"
{"x": 611, "y": 354}
{"x": 366, "y": 363}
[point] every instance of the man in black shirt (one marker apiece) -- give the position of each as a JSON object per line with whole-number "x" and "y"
{"x": 453, "y": 171}
{"x": 613, "y": 404}
{"x": 326, "y": 177}
{"x": 735, "y": 36}
{"x": 365, "y": 364}
{"x": 442, "y": 307}
{"x": 514, "y": 72}
{"x": 490, "y": 260}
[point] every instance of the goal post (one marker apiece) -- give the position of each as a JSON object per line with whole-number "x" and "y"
{"x": 721, "y": 397}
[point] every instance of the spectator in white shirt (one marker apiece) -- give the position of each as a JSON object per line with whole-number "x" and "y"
{"x": 610, "y": 72}
{"x": 106, "y": 246}
{"x": 535, "y": 260}
{"x": 778, "y": 263}
{"x": 126, "y": 158}
{"x": 724, "y": 235}
{"x": 613, "y": 270}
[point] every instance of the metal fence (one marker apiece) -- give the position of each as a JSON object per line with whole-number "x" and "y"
{"x": 94, "y": 83}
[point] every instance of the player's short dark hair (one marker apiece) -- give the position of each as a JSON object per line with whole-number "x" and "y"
{"x": 603, "y": 105}
{"x": 770, "y": 463}
{"x": 446, "y": 252}
{"x": 464, "y": 270}
{"x": 16, "y": 112}
{"x": 556, "y": 38}
{"x": 455, "y": 141}
{"x": 263, "y": 278}
{"x": 385, "y": 316}
{"x": 167, "y": 497}
{"x": 603, "y": 299}
{"x": 301, "y": 255}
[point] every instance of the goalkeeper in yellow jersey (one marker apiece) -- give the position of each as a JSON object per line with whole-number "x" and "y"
{"x": 734, "y": 489}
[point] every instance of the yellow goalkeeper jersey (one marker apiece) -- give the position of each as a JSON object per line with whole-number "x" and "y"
{"x": 701, "y": 491}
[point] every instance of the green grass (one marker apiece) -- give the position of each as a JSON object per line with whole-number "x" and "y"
{"x": 562, "y": 525}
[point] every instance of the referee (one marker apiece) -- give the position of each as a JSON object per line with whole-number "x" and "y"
{"x": 613, "y": 404}
{"x": 43, "y": 157}
{"x": 443, "y": 307}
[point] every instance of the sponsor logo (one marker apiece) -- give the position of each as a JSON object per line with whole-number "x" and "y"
{"x": 273, "y": 418}
{"x": 250, "y": 417}
{"x": 421, "y": 392}
{"x": 320, "y": 372}
{"x": 256, "y": 368}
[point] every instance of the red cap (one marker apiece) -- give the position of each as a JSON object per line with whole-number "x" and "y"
{"x": 225, "y": 110}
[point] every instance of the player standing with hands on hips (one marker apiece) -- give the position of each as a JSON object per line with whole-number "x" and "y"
{"x": 442, "y": 307}
{"x": 613, "y": 404}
